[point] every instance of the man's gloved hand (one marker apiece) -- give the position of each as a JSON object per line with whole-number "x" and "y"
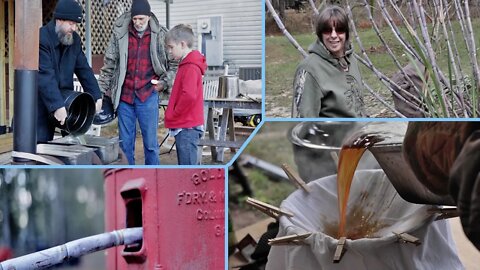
{"x": 98, "y": 105}
{"x": 106, "y": 113}
{"x": 60, "y": 114}
{"x": 445, "y": 157}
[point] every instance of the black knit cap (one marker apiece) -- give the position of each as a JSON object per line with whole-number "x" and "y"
{"x": 68, "y": 10}
{"x": 140, "y": 7}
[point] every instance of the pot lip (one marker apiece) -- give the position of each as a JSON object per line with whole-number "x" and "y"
{"x": 69, "y": 97}
{"x": 294, "y": 138}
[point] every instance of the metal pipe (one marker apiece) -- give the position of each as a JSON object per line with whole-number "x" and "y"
{"x": 25, "y": 110}
{"x": 53, "y": 256}
{"x": 28, "y": 20}
{"x": 88, "y": 31}
{"x": 167, "y": 11}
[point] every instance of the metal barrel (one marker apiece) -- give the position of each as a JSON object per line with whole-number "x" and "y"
{"x": 53, "y": 256}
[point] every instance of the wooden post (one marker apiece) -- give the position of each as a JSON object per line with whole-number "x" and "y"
{"x": 3, "y": 92}
{"x": 11, "y": 49}
{"x": 28, "y": 19}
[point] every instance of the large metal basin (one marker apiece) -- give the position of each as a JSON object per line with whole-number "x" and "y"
{"x": 107, "y": 149}
{"x": 68, "y": 154}
{"x": 390, "y": 158}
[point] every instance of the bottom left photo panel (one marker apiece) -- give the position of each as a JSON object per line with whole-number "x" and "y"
{"x": 112, "y": 218}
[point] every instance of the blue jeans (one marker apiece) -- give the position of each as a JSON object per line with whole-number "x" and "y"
{"x": 147, "y": 115}
{"x": 187, "y": 146}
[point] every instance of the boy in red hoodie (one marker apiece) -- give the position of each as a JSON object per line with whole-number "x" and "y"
{"x": 184, "y": 114}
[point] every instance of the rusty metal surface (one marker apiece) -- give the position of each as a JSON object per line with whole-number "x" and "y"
{"x": 182, "y": 212}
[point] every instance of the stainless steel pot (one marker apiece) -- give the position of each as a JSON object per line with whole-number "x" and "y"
{"x": 228, "y": 86}
{"x": 313, "y": 143}
{"x": 390, "y": 158}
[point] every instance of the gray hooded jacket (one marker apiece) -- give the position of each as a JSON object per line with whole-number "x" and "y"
{"x": 321, "y": 87}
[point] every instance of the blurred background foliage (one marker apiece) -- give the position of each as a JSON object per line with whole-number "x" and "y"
{"x": 270, "y": 144}
{"x": 41, "y": 208}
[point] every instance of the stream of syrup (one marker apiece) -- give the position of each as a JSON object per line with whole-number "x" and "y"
{"x": 350, "y": 154}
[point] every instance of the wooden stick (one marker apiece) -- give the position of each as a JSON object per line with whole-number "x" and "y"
{"x": 289, "y": 239}
{"x": 444, "y": 213}
{"x": 340, "y": 250}
{"x": 295, "y": 178}
{"x": 268, "y": 209}
{"x": 390, "y": 52}
{"x": 407, "y": 238}
{"x": 383, "y": 78}
{"x": 314, "y": 8}
{"x": 284, "y": 30}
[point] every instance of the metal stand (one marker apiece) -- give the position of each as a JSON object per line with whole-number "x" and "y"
{"x": 163, "y": 141}
{"x": 218, "y": 142}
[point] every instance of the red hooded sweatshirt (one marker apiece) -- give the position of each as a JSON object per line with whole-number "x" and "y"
{"x": 185, "y": 107}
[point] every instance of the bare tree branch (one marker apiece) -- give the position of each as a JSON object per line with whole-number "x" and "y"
{"x": 283, "y": 29}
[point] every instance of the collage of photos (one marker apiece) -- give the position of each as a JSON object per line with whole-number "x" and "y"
{"x": 249, "y": 135}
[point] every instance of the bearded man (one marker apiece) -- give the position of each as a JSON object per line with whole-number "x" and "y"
{"x": 136, "y": 71}
{"x": 61, "y": 56}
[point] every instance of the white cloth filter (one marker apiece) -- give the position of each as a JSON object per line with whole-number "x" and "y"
{"x": 313, "y": 210}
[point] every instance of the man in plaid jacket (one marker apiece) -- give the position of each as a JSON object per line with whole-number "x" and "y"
{"x": 136, "y": 69}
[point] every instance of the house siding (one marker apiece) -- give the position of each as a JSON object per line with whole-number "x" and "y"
{"x": 242, "y": 26}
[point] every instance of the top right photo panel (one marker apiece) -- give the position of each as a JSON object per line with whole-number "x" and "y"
{"x": 376, "y": 59}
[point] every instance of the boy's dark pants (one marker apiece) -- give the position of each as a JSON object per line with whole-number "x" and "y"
{"x": 187, "y": 143}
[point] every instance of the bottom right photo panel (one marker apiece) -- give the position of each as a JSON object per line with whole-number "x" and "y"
{"x": 356, "y": 195}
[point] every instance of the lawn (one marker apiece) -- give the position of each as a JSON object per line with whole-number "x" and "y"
{"x": 270, "y": 144}
{"x": 282, "y": 59}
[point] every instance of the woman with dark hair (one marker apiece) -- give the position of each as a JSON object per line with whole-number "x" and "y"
{"x": 328, "y": 82}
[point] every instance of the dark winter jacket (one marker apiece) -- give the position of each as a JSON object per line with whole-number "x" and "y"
{"x": 56, "y": 69}
{"x": 323, "y": 89}
{"x": 185, "y": 107}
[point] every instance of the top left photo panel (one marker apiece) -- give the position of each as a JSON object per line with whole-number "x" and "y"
{"x": 128, "y": 82}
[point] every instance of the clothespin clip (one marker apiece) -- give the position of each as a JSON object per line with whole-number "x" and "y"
{"x": 444, "y": 213}
{"x": 295, "y": 178}
{"x": 407, "y": 238}
{"x": 296, "y": 239}
{"x": 268, "y": 209}
{"x": 340, "y": 250}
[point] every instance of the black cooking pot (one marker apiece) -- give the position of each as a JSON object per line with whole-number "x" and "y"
{"x": 80, "y": 108}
